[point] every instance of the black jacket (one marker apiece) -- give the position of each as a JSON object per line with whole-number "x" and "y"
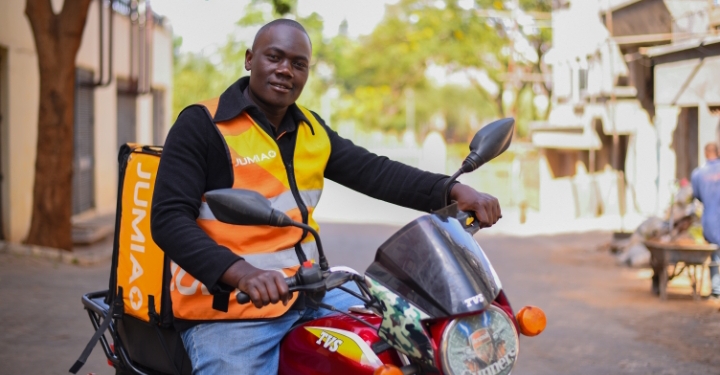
{"x": 195, "y": 159}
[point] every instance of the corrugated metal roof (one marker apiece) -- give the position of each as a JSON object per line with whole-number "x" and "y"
{"x": 615, "y": 4}
{"x": 681, "y": 46}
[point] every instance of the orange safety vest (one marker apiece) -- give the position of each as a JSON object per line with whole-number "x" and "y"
{"x": 258, "y": 165}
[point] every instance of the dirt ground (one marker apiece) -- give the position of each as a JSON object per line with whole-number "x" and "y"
{"x": 602, "y": 318}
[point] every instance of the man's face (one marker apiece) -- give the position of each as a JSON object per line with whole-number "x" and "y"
{"x": 278, "y": 63}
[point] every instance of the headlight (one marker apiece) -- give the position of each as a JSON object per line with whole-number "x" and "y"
{"x": 484, "y": 344}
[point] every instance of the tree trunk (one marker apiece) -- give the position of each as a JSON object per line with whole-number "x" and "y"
{"x": 499, "y": 100}
{"x": 57, "y": 40}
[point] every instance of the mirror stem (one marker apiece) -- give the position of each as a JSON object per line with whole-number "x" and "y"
{"x": 323, "y": 261}
{"x": 447, "y": 186}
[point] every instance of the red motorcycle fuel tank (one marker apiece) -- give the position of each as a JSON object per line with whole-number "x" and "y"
{"x": 334, "y": 344}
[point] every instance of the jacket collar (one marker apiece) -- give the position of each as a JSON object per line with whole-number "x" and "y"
{"x": 232, "y": 103}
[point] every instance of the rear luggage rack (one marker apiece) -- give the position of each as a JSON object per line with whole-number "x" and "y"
{"x": 98, "y": 309}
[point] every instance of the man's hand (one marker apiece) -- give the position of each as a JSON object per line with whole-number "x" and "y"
{"x": 485, "y": 206}
{"x": 263, "y": 287}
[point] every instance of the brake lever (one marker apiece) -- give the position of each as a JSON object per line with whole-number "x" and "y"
{"x": 336, "y": 279}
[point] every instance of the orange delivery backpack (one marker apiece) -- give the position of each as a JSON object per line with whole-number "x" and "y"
{"x": 136, "y": 309}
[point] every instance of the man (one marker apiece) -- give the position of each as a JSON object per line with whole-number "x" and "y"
{"x": 706, "y": 188}
{"x": 255, "y": 137}
{"x": 711, "y": 152}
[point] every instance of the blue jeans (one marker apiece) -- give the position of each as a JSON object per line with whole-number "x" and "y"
{"x": 714, "y": 274}
{"x": 251, "y": 347}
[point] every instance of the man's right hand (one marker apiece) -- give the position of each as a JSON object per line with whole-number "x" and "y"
{"x": 263, "y": 287}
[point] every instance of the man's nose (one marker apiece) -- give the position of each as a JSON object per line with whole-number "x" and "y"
{"x": 284, "y": 68}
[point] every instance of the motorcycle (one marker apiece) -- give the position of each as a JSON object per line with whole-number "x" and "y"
{"x": 432, "y": 302}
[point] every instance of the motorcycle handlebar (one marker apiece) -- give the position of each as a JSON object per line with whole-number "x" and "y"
{"x": 243, "y": 298}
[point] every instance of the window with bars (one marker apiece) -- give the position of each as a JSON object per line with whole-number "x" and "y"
{"x": 83, "y": 180}
{"x": 158, "y": 96}
{"x": 126, "y": 113}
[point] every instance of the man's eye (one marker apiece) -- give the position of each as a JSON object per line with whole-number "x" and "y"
{"x": 273, "y": 57}
{"x": 300, "y": 65}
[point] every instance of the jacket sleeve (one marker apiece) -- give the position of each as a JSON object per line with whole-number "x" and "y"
{"x": 191, "y": 164}
{"x": 379, "y": 177}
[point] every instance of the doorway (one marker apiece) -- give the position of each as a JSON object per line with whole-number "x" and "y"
{"x": 126, "y": 113}
{"x": 83, "y": 180}
{"x": 3, "y": 127}
{"x": 685, "y": 142}
{"x": 158, "y": 116}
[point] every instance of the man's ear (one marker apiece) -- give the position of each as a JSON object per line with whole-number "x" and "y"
{"x": 248, "y": 59}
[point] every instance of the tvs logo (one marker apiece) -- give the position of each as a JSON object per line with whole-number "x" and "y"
{"x": 470, "y": 302}
{"x": 329, "y": 341}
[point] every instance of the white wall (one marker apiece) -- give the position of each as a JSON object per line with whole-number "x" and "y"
{"x": 106, "y": 165}
{"x": 22, "y": 99}
{"x": 163, "y": 72}
{"x": 641, "y": 169}
{"x": 683, "y": 84}
{"x": 665, "y": 122}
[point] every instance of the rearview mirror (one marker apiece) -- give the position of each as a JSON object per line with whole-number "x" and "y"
{"x": 244, "y": 207}
{"x": 489, "y": 142}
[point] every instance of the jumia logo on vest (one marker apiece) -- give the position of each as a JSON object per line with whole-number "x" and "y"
{"x": 245, "y": 160}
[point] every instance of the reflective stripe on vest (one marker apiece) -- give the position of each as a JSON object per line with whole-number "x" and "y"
{"x": 258, "y": 165}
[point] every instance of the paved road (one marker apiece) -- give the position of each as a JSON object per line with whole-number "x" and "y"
{"x": 602, "y": 319}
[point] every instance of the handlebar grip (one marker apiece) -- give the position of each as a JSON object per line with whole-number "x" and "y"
{"x": 243, "y": 298}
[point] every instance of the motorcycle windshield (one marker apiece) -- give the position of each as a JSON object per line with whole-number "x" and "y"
{"x": 437, "y": 266}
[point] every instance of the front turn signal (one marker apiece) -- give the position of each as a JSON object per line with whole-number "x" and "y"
{"x": 388, "y": 370}
{"x": 531, "y": 320}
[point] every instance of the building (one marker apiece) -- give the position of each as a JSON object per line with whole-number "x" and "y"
{"x": 123, "y": 93}
{"x": 687, "y": 104}
{"x": 602, "y": 145}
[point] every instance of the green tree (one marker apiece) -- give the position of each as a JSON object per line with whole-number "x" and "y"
{"x": 417, "y": 33}
{"x": 373, "y": 74}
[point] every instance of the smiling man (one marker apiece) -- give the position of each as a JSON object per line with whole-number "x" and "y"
{"x": 255, "y": 137}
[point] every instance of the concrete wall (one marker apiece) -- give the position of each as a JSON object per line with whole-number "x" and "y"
{"x": 641, "y": 169}
{"x": 19, "y": 127}
{"x": 583, "y": 194}
{"x": 688, "y": 83}
{"x": 20, "y": 118}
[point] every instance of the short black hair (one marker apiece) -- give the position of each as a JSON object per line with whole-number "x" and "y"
{"x": 285, "y": 22}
